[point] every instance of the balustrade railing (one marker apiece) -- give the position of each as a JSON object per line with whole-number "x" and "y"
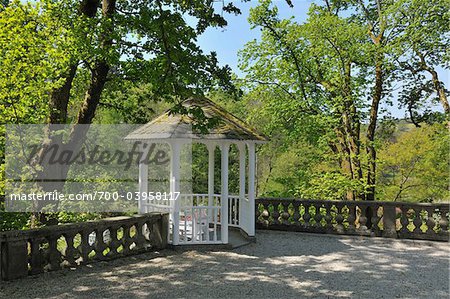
{"x": 369, "y": 218}
{"x": 34, "y": 251}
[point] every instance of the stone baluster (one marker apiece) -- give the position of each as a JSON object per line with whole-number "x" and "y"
{"x": 443, "y": 222}
{"x": 375, "y": 218}
{"x": 258, "y": 206}
{"x": 328, "y": 217}
{"x": 266, "y": 214}
{"x": 417, "y": 221}
{"x": 84, "y": 247}
{"x": 69, "y": 251}
{"x": 99, "y": 245}
{"x": 430, "y": 221}
{"x": 404, "y": 220}
{"x": 126, "y": 240}
{"x": 285, "y": 215}
{"x": 317, "y": 216}
{"x": 363, "y": 219}
{"x": 54, "y": 256}
{"x": 140, "y": 237}
{"x": 339, "y": 218}
{"x": 368, "y": 212}
{"x": 36, "y": 259}
{"x": 351, "y": 217}
{"x": 306, "y": 216}
{"x": 276, "y": 213}
{"x": 296, "y": 215}
{"x": 114, "y": 242}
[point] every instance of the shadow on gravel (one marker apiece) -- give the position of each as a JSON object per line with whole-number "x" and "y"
{"x": 279, "y": 265}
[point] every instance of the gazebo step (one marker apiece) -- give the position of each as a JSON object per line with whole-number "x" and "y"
{"x": 201, "y": 247}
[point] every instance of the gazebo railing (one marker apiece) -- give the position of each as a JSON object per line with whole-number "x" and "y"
{"x": 199, "y": 225}
{"x": 233, "y": 210}
{"x": 200, "y": 216}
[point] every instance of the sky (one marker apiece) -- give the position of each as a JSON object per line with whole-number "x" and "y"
{"x": 228, "y": 41}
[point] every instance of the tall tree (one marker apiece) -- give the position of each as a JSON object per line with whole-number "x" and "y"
{"x": 54, "y": 51}
{"x": 319, "y": 68}
{"x": 375, "y": 16}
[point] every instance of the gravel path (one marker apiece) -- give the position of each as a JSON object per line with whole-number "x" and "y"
{"x": 279, "y": 265}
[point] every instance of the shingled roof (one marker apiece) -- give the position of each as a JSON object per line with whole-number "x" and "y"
{"x": 179, "y": 126}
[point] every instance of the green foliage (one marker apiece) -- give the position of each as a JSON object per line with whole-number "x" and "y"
{"x": 329, "y": 186}
{"x": 32, "y": 57}
{"x": 154, "y": 50}
{"x": 148, "y": 46}
{"x": 307, "y": 86}
{"x": 415, "y": 166}
{"x": 421, "y": 46}
{"x": 309, "y": 83}
{"x": 12, "y": 221}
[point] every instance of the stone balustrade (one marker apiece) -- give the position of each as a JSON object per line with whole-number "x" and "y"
{"x": 369, "y": 218}
{"x": 27, "y": 252}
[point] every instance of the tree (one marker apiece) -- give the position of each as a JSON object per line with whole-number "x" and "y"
{"x": 315, "y": 72}
{"x": 377, "y": 22}
{"x": 414, "y": 166}
{"x": 413, "y": 34}
{"x": 423, "y": 44}
{"x": 59, "y": 57}
{"x": 320, "y": 71}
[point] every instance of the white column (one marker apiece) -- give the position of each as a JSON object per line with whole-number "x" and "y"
{"x": 143, "y": 180}
{"x": 243, "y": 206}
{"x": 251, "y": 188}
{"x": 224, "y": 193}
{"x": 175, "y": 148}
{"x": 211, "y": 148}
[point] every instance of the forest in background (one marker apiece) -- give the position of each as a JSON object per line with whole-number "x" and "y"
{"x": 315, "y": 88}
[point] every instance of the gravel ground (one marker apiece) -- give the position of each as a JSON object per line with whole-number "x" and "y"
{"x": 279, "y": 265}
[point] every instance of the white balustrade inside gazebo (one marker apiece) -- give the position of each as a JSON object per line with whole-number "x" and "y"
{"x": 203, "y": 218}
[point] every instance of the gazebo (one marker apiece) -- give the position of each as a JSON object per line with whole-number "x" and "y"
{"x": 203, "y": 218}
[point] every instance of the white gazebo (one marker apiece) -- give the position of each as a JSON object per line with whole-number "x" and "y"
{"x": 203, "y": 218}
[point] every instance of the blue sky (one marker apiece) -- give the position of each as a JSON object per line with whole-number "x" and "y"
{"x": 227, "y": 42}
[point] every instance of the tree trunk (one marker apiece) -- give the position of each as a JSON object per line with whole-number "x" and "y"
{"x": 371, "y": 151}
{"x": 440, "y": 90}
{"x": 352, "y": 129}
{"x": 59, "y": 97}
{"x": 59, "y": 100}
{"x": 343, "y": 151}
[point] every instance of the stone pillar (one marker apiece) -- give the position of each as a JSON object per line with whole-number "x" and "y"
{"x": 389, "y": 219}
{"x": 161, "y": 232}
{"x": 13, "y": 259}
